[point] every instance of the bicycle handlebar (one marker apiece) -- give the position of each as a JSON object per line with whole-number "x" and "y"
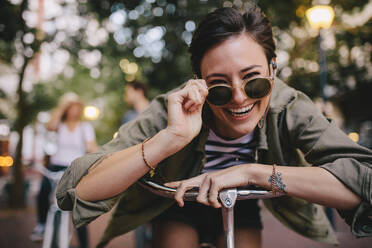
{"x": 190, "y": 195}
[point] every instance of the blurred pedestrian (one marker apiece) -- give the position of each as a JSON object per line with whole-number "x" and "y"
{"x": 135, "y": 95}
{"x": 74, "y": 138}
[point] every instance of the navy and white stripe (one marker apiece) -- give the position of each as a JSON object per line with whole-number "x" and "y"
{"x": 223, "y": 153}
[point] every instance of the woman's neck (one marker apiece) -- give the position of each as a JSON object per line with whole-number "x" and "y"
{"x": 141, "y": 105}
{"x": 218, "y": 133}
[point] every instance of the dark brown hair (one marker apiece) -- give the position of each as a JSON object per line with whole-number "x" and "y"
{"x": 137, "y": 85}
{"x": 225, "y": 23}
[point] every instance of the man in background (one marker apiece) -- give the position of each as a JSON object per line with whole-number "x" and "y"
{"x": 135, "y": 95}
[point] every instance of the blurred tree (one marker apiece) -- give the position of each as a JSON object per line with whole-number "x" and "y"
{"x": 348, "y": 50}
{"x": 12, "y": 44}
{"x": 155, "y": 34}
{"x": 348, "y": 41}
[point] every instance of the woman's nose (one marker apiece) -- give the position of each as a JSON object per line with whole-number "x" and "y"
{"x": 238, "y": 96}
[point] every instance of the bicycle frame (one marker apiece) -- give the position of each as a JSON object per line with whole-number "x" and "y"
{"x": 57, "y": 229}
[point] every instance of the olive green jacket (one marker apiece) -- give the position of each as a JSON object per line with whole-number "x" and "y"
{"x": 295, "y": 133}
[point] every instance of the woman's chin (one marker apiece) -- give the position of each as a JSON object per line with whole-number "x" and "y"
{"x": 236, "y": 124}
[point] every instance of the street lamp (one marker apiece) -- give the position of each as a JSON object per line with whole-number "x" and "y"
{"x": 320, "y": 17}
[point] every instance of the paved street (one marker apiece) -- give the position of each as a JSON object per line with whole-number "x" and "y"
{"x": 16, "y": 226}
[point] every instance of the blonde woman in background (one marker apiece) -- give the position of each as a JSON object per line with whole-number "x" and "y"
{"x": 74, "y": 139}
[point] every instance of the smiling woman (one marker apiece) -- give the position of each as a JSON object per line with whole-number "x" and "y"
{"x": 229, "y": 128}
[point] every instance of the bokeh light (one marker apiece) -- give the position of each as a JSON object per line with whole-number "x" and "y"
{"x": 320, "y": 16}
{"x": 91, "y": 112}
{"x": 6, "y": 161}
{"x": 354, "y": 136}
{"x": 128, "y": 67}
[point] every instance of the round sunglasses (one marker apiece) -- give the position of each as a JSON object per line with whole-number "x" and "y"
{"x": 220, "y": 94}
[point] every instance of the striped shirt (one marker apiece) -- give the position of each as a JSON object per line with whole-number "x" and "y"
{"x": 223, "y": 153}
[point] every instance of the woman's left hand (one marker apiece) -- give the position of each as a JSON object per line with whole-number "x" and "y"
{"x": 210, "y": 184}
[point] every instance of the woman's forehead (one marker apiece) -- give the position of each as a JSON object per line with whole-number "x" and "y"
{"x": 236, "y": 53}
{"x": 75, "y": 105}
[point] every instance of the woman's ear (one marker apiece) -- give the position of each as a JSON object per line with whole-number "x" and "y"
{"x": 274, "y": 65}
{"x": 273, "y": 62}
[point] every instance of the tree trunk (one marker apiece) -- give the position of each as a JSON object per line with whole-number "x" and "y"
{"x": 17, "y": 196}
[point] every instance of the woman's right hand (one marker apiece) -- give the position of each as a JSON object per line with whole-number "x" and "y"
{"x": 210, "y": 184}
{"x": 184, "y": 110}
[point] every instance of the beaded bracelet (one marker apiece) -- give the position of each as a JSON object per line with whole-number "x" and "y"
{"x": 152, "y": 169}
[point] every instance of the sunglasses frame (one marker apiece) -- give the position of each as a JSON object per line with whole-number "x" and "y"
{"x": 272, "y": 68}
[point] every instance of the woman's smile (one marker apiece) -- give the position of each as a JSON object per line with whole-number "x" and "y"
{"x": 241, "y": 113}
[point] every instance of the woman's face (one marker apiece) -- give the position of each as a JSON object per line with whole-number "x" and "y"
{"x": 130, "y": 95}
{"x": 235, "y": 61}
{"x": 74, "y": 111}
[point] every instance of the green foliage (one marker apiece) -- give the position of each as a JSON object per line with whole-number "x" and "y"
{"x": 9, "y": 27}
{"x": 286, "y": 16}
{"x": 39, "y": 100}
{"x": 345, "y": 72}
{"x": 8, "y": 23}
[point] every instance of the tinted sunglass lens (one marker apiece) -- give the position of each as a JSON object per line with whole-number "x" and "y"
{"x": 219, "y": 95}
{"x": 257, "y": 88}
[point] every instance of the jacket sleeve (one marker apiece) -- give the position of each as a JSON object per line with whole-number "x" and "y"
{"x": 147, "y": 124}
{"x": 325, "y": 145}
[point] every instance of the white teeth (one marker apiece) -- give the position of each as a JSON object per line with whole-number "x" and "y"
{"x": 241, "y": 110}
